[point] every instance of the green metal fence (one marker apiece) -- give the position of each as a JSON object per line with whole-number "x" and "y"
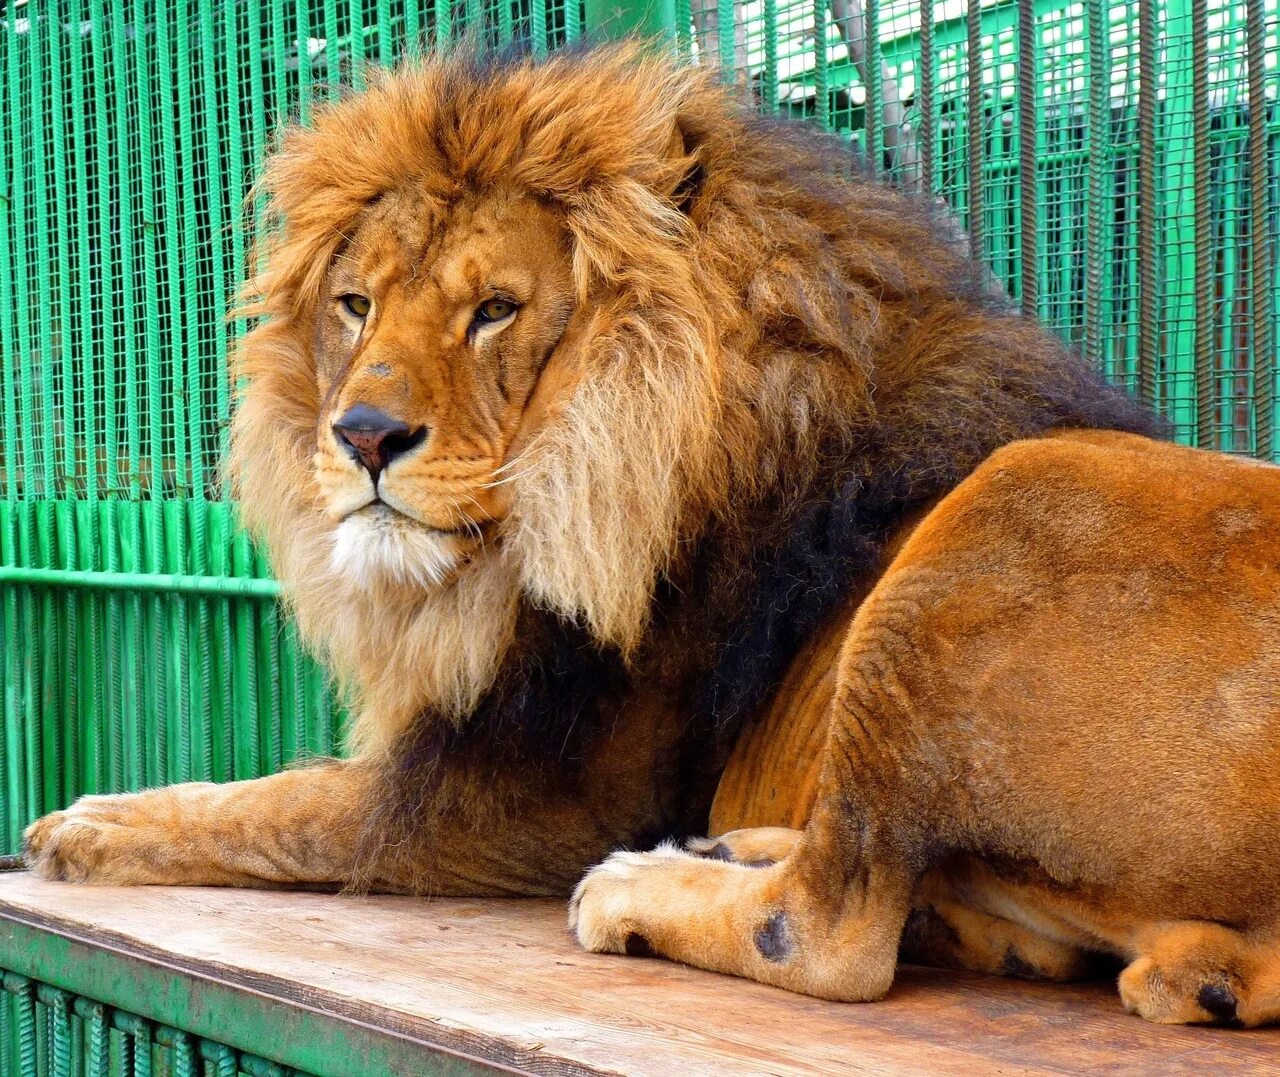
{"x": 1117, "y": 166}
{"x": 45, "y": 1030}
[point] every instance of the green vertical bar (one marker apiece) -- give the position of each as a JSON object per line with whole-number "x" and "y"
{"x": 928, "y": 181}
{"x": 149, "y": 552}
{"x": 57, "y": 1001}
{"x": 357, "y": 42}
{"x": 63, "y": 221}
{"x": 728, "y": 60}
{"x": 1205, "y": 374}
{"x": 1098, "y": 133}
{"x": 172, "y": 735}
{"x": 444, "y": 20}
{"x": 10, "y": 348}
{"x": 769, "y": 74}
{"x": 13, "y": 812}
{"x": 1148, "y": 295}
{"x": 538, "y": 26}
{"x": 97, "y": 1062}
{"x": 21, "y": 274}
{"x": 1028, "y": 216}
{"x": 823, "y": 105}
{"x": 39, "y": 642}
{"x": 300, "y": 39}
{"x": 216, "y": 140}
{"x": 83, "y": 640}
{"x": 44, "y": 306}
{"x": 248, "y": 745}
{"x": 874, "y": 105}
{"x": 104, "y": 281}
{"x": 413, "y": 29}
{"x": 192, "y": 555}
{"x": 332, "y": 36}
{"x": 1177, "y": 236}
{"x": 973, "y": 61}
{"x": 279, "y": 59}
{"x": 1261, "y": 236}
{"x": 123, "y": 243}
{"x": 257, "y": 109}
{"x": 682, "y": 13}
{"x": 26, "y": 1023}
{"x": 386, "y": 39}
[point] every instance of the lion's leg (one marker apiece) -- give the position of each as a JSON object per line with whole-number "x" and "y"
{"x": 825, "y": 920}
{"x": 812, "y": 923}
{"x": 1197, "y": 972}
{"x": 942, "y": 930}
{"x": 947, "y": 934}
{"x": 322, "y": 825}
{"x": 298, "y": 827}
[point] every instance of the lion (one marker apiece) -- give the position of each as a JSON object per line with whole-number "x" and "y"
{"x": 617, "y": 447}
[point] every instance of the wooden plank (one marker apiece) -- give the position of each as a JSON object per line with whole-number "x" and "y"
{"x": 503, "y": 981}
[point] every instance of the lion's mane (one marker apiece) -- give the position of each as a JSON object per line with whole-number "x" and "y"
{"x": 789, "y": 358}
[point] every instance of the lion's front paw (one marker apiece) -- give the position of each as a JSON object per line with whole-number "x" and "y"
{"x": 99, "y": 839}
{"x": 602, "y": 912}
{"x": 616, "y": 901}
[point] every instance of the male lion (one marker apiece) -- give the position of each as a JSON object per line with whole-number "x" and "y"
{"x": 585, "y": 410}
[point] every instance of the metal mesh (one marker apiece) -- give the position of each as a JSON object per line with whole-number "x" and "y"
{"x": 1124, "y": 186}
{"x": 1139, "y": 223}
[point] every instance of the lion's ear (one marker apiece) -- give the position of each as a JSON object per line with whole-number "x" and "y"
{"x": 687, "y": 172}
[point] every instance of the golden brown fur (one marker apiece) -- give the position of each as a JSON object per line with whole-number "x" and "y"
{"x": 1055, "y": 730}
{"x": 662, "y": 388}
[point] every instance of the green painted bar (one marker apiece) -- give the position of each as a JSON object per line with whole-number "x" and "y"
{"x": 141, "y": 581}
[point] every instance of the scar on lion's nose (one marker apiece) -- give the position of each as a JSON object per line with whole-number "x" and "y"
{"x": 374, "y": 438}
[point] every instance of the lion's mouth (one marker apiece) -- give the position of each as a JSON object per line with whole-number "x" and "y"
{"x": 386, "y": 510}
{"x": 378, "y": 543}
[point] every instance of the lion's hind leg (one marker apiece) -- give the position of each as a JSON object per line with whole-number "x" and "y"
{"x": 954, "y": 925}
{"x": 954, "y": 936}
{"x": 1198, "y": 972}
{"x": 942, "y": 930}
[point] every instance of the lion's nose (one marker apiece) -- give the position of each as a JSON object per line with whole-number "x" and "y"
{"x": 374, "y": 438}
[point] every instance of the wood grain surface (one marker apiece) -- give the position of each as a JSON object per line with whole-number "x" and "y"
{"x": 503, "y": 980}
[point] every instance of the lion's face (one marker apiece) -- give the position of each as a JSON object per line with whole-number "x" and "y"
{"x": 434, "y": 325}
{"x": 488, "y": 371}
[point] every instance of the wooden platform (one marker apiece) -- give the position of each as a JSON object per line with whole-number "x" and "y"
{"x": 460, "y": 985}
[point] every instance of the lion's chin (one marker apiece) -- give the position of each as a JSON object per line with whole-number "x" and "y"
{"x": 379, "y": 546}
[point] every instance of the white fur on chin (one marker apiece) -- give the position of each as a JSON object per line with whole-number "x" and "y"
{"x": 378, "y": 544}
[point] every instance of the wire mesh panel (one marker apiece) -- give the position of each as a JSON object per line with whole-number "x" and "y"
{"x": 1116, "y": 166}
{"x": 1122, "y": 183}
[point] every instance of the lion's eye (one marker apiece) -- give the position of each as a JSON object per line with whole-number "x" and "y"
{"x": 358, "y": 306}
{"x": 494, "y": 310}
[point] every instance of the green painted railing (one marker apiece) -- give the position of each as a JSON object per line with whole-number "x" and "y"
{"x": 45, "y": 1030}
